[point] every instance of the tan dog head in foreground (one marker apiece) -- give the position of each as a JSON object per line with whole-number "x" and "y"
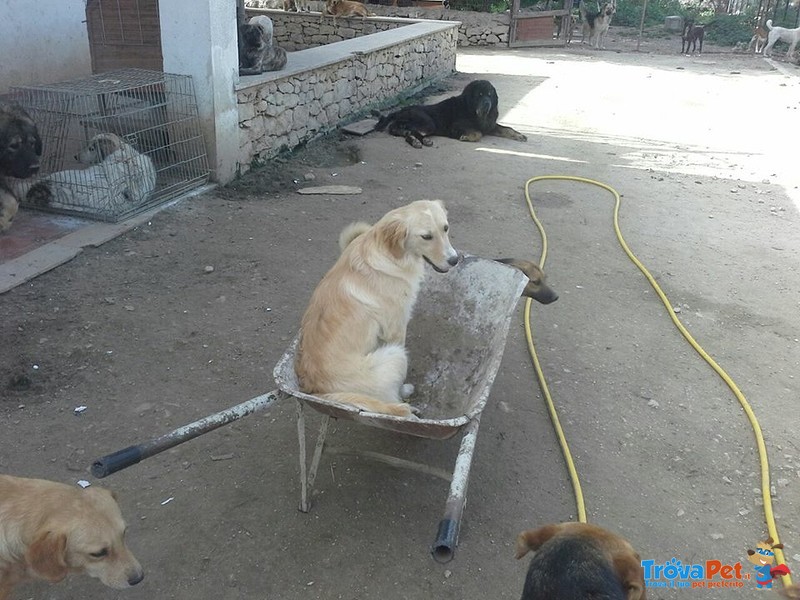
{"x": 48, "y": 530}
{"x": 580, "y": 560}
{"x": 352, "y": 337}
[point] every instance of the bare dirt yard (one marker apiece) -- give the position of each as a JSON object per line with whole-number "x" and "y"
{"x": 147, "y": 338}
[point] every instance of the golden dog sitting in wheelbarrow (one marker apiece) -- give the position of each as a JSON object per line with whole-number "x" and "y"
{"x": 352, "y": 337}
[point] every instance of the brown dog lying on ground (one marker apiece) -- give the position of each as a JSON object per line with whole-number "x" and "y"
{"x": 48, "y": 530}
{"x": 536, "y": 287}
{"x": 578, "y": 560}
{"x": 346, "y": 8}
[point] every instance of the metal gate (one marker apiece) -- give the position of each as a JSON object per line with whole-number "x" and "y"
{"x": 540, "y": 28}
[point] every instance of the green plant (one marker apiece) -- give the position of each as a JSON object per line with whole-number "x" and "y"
{"x": 727, "y": 30}
{"x": 629, "y": 12}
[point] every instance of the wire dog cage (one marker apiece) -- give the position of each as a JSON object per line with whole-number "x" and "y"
{"x": 115, "y": 144}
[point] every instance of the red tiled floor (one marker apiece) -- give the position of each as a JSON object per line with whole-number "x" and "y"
{"x": 32, "y": 229}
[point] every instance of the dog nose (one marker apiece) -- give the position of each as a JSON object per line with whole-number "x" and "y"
{"x": 453, "y": 260}
{"x": 135, "y": 578}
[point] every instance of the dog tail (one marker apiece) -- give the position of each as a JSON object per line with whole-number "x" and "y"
{"x": 397, "y": 409}
{"x": 351, "y": 232}
{"x": 769, "y": 24}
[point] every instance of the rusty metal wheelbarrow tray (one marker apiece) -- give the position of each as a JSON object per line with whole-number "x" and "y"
{"x": 455, "y": 342}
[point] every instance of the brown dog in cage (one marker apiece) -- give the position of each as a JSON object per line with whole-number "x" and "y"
{"x": 20, "y": 149}
{"x": 118, "y": 176}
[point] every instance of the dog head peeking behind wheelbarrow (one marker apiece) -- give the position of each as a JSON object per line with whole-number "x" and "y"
{"x": 536, "y": 287}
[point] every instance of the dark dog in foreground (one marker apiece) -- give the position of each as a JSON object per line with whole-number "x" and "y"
{"x": 579, "y": 561}
{"x": 466, "y": 117}
{"x": 536, "y": 287}
{"x": 20, "y": 149}
{"x": 691, "y": 35}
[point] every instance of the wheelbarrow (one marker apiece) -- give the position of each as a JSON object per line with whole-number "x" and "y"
{"x": 455, "y": 342}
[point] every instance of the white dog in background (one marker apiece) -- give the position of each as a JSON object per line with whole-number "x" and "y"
{"x": 790, "y": 36}
{"x": 118, "y": 176}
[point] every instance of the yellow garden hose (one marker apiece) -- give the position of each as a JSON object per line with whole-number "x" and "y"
{"x": 762, "y": 450}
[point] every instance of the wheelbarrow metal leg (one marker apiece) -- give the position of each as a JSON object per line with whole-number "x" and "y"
{"x": 447, "y": 536}
{"x": 309, "y": 474}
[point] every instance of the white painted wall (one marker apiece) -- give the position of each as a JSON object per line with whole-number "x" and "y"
{"x": 42, "y": 42}
{"x": 198, "y": 38}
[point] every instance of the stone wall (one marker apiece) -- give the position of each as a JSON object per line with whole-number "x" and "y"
{"x": 322, "y": 87}
{"x": 297, "y": 31}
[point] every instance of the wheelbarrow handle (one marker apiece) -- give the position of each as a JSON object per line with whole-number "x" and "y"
{"x": 121, "y": 459}
{"x": 116, "y": 461}
{"x": 444, "y": 547}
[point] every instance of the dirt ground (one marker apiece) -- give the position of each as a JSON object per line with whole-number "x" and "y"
{"x": 143, "y": 335}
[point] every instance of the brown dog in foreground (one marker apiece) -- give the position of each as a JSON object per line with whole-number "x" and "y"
{"x": 536, "y": 287}
{"x": 48, "y": 530}
{"x": 579, "y": 560}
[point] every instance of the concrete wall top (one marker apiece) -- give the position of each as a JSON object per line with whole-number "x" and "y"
{"x": 314, "y": 58}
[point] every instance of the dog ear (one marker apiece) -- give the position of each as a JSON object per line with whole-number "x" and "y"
{"x": 105, "y": 146}
{"x": 394, "y": 235}
{"x": 47, "y": 556}
{"x": 532, "y": 539}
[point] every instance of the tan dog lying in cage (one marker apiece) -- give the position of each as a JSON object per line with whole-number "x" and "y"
{"x": 118, "y": 178}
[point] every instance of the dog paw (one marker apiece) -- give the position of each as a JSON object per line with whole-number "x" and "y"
{"x": 414, "y": 142}
{"x": 39, "y": 194}
{"x": 406, "y": 390}
{"x": 427, "y": 142}
{"x": 473, "y": 136}
{"x": 520, "y": 137}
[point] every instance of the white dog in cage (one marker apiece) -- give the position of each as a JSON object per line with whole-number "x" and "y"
{"x": 117, "y": 179}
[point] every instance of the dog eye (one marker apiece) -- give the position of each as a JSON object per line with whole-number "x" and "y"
{"x": 426, "y": 236}
{"x": 100, "y": 554}
{"x": 446, "y": 228}
{"x": 15, "y": 145}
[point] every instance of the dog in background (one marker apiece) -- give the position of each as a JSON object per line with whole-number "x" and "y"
{"x": 117, "y": 175}
{"x": 353, "y": 333}
{"x": 579, "y": 560}
{"x": 466, "y": 117}
{"x": 257, "y": 53}
{"x": 537, "y": 287}
{"x": 776, "y": 34}
{"x": 20, "y": 150}
{"x": 49, "y": 530}
{"x": 346, "y": 8}
{"x": 595, "y": 25}
{"x": 690, "y": 35}
{"x": 759, "y": 39}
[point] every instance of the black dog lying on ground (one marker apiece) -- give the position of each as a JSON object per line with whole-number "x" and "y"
{"x": 466, "y": 117}
{"x": 20, "y": 149}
